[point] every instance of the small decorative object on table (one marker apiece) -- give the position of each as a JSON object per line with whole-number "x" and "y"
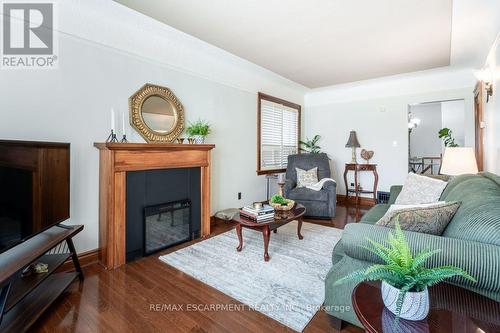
{"x": 257, "y": 205}
{"x": 198, "y": 131}
{"x": 180, "y": 140}
{"x": 190, "y": 140}
{"x": 404, "y": 278}
{"x": 279, "y": 203}
{"x": 367, "y": 155}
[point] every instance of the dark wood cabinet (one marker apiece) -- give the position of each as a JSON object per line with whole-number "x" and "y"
{"x": 49, "y": 167}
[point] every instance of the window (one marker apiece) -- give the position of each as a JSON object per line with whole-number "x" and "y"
{"x": 278, "y": 133}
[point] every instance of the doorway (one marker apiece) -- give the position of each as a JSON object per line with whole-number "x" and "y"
{"x": 432, "y": 127}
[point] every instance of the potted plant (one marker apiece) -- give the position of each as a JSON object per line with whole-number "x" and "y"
{"x": 447, "y": 135}
{"x": 310, "y": 146}
{"x": 404, "y": 278}
{"x": 198, "y": 130}
{"x": 278, "y": 202}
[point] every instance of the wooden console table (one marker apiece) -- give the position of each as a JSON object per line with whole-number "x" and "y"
{"x": 357, "y": 168}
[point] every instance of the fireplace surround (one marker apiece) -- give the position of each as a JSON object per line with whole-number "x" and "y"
{"x": 116, "y": 160}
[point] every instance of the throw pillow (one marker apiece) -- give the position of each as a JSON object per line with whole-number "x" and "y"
{"x": 392, "y": 208}
{"x": 428, "y": 220}
{"x": 306, "y": 178}
{"x": 420, "y": 190}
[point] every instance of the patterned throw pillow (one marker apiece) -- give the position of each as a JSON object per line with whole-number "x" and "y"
{"x": 420, "y": 190}
{"x": 428, "y": 220}
{"x": 306, "y": 178}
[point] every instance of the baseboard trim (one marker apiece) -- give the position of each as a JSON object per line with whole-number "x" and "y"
{"x": 363, "y": 201}
{"x": 86, "y": 259}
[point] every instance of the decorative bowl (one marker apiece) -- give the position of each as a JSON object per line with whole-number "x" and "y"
{"x": 277, "y": 206}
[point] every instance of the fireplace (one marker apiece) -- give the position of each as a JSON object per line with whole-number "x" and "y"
{"x": 163, "y": 208}
{"x": 167, "y": 225}
{"x": 121, "y": 165}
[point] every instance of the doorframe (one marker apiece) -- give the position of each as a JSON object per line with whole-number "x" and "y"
{"x": 479, "y": 124}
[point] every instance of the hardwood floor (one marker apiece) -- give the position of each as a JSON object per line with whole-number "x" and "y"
{"x": 136, "y": 297}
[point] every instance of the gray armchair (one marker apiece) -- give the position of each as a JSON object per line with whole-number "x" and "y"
{"x": 318, "y": 203}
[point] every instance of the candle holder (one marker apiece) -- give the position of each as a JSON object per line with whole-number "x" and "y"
{"x": 124, "y": 139}
{"x": 280, "y": 190}
{"x": 112, "y": 137}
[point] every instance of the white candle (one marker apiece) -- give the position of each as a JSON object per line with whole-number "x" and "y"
{"x": 123, "y": 123}
{"x": 112, "y": 119}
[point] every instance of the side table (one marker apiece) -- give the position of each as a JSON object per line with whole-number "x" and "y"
{"x": 357, "y": 168}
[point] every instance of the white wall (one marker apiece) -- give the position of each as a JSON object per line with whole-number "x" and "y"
{"x": 107, "y": 52}
{"x": 424, "y": 138}
{"x": 492, "y": 114}
{"x": 453, "y": 117}
{"x": 377, "y": 110}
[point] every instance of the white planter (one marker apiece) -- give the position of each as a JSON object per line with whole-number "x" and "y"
{"x": 415, "y": 305}
{"x": 199, "y": 139}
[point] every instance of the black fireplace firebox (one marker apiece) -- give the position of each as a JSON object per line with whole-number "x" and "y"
{"x": 166, "y": 225}
{"x": 163, "y": 208}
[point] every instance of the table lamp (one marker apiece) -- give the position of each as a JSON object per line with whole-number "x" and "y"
{"x": 353, "y": 143}
{"x": 458, "y": 161}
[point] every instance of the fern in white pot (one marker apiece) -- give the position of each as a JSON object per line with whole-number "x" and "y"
{"x": 404, "y": 278}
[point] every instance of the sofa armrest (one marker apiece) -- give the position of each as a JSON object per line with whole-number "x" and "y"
{"x": 330, "y": 187}
{"x": 395, "y": 190}
{"x": 480, "y": 260}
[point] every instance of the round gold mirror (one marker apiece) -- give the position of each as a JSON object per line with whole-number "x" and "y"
{"x": 156, "y": 113}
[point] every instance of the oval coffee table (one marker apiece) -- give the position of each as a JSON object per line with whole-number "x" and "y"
{"x": 280, "y": 219}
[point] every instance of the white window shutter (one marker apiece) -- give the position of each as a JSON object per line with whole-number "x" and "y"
{"x": 279, "y": 128}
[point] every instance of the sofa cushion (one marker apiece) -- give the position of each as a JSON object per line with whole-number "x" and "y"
{"x": 428, "y": 220}
{"x": 375, "y": 213}
{"x": 478, "y": 218}
{"x": 303, "y": 193}
{"x": 420, "y": 190}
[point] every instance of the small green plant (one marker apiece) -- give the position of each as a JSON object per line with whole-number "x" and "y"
{"x": 401, "y": 269}
{"x": 311, "y": 146}
{"x": 200, "y": 127}
{"x": 446, "y": 135}
{"x": 278, "y": 199}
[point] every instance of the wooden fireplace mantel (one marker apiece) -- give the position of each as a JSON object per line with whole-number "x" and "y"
{"x": 115, "y": 159}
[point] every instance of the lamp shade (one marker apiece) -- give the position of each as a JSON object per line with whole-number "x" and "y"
{"x": 353, "y": 140}
{"x": 458, "y": 161}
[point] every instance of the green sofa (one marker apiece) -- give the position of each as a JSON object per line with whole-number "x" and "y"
{"x": 471, "y": 241}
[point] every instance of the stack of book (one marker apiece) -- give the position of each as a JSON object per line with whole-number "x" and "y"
{"x": 264, "y": 214}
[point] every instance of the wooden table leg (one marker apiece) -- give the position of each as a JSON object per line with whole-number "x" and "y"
{"x": 266, "y": 233}
{"x": 299, "y": 227}
{"x": 240, "y": 237}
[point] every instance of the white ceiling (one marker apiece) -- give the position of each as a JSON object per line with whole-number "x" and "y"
{"x": 318, "y": 42}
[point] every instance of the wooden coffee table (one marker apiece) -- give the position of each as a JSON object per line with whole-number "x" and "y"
{"x": 453, "y": 309}
{"x": 281, "y": 218}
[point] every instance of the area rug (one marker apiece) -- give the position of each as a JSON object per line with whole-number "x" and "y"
{"x": 289, "y": 288}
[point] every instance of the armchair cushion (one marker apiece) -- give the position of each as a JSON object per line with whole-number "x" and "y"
{"x": 306, "y": 177}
